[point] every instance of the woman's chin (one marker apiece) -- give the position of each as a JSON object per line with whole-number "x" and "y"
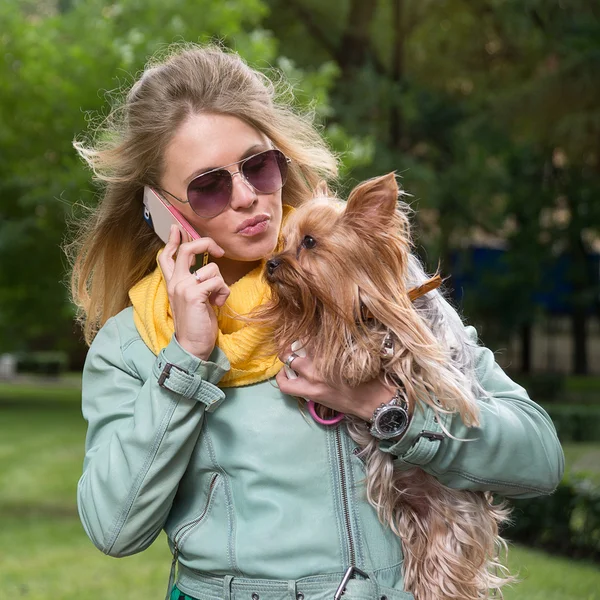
{"x": 255, "y": 250}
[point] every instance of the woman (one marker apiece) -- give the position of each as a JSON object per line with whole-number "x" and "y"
{"x": 187, "y": 432}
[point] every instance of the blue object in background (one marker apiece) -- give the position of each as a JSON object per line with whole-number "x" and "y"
{"x": 471, "y": 268}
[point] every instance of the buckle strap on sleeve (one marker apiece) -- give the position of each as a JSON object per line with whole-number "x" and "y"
{"x": 428, "y": 442}
{"x": 188, "y": 385}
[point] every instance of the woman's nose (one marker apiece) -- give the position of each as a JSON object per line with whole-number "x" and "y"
{"x": 242, "y": 193}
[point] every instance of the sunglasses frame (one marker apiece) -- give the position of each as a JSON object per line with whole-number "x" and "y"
{"x": 224, "y": 168}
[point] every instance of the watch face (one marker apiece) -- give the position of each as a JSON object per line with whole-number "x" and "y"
{"x": 393, "y": 421}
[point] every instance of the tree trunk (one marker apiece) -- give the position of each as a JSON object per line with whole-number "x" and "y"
{"x": 396, "y": 125}
{"x": 579, "y": 331}
{"x": 525, "y": 335}
{"x": 581, "y": 280}
{"x": 355, "y": 46}
{"x": 581, "y": 284}
{"x": 445, "y": 252}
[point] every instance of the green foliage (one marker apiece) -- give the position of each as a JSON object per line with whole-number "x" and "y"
{"x": 575, "y": 423}
{"x": 568, "y": 521}
{"x": 50, "y": 556}
{"x": 43, "y": 363}
{"x": 585, "y": 388}
{"x": 582, "y": 461}
{"x": 558, "y": 388}
{"x": 543, "y": 387}
{"x": 489, "y": 111}
{"x": 54, "y": 59}
{"x": 546, "y": 577}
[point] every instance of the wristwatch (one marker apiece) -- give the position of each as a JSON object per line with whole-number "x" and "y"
{"x": 391, "y": 419}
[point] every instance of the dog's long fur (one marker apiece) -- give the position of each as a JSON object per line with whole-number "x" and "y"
{"x": 362, "y": 259}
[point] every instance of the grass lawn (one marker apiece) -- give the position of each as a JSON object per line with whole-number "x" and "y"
{"x": 583, "y": 459}
{"x": 546, "y": 577}
{"x": 45, "y": 555}
{"x": 51, "y": 558}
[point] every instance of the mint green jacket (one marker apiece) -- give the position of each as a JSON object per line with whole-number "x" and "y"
{"x": 245, "y": 484}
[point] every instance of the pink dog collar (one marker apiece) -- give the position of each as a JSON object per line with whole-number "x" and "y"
{"x": 318, "y": 419}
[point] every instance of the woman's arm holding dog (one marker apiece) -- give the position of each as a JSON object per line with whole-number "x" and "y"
{"x": 514, "y": 451}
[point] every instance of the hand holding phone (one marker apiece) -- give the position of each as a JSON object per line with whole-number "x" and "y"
{"x": 160, "y": 215}
{"x": 191, "y": 296}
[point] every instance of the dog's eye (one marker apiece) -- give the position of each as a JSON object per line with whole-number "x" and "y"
{"x": 309, "y": 242}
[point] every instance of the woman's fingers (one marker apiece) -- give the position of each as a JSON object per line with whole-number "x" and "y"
{"x": 214, "y": 290}
{"x": 303, "y": 388}
{"x": 166, "y": 258}
{"x": 292, "y": 386}
{"x": 306, "y": 384}
{"x": 210, "y": 271}
{"x": 302, "y": 365}
{"x": 186, "y": 255}
{"x": 286, "y": 384}
{"x": 191, "y": 295}
{"x": 219, "y": 297}
{"x": 178, "y": 257}
{"x": 206, "y": 272}
{"x": 204, "y": 284}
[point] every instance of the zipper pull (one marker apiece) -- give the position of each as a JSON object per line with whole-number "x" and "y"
{"x": 173, "y": 572}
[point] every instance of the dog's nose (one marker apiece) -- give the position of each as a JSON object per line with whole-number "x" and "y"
{"x": 272, "y": 265}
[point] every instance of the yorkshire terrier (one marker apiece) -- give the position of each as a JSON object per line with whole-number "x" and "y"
{"x": 346, "y": 282}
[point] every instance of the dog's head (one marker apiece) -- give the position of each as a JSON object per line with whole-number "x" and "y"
{"x": 339, "y": 276}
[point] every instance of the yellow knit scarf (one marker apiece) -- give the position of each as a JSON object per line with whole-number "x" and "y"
{"x": 242, "y": 342}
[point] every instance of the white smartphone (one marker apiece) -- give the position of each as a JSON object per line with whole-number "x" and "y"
{"x": 160, "y": 215}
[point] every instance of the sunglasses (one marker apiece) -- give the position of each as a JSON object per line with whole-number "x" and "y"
{"x": 209, "y": 194}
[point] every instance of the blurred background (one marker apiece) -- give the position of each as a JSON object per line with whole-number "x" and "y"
{"x": 489, "y": 110}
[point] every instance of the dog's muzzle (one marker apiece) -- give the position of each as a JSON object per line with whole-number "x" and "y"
{"x": 272, "y": 265}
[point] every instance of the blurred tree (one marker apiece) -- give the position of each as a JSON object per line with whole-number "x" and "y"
{"x": 560, "y": 109}
{"x": 54, "y": 57}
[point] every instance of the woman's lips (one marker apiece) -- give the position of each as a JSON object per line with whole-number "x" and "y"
{"x": 254, "y": 226}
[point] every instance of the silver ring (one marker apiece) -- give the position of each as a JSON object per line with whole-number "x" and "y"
{"x": 290, "y": 359}
{"x": 197, "y": 276}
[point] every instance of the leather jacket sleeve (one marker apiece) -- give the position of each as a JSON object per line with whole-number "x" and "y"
{"x": 140, "y": 437}
{"x": 514, "y": 451}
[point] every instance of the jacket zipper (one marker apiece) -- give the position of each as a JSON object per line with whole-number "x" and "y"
{"x": 180, "y": 534}
{"x": 345, "y": 505}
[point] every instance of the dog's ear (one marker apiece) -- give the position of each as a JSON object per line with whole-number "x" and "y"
{"x": 373, "y": 201}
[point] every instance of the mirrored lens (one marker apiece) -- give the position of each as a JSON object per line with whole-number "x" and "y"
{"x": 209, "y": 194}
{"x": 266, "y": 171}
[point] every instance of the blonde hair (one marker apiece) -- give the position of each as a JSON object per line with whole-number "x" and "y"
{"x": 114, "y": 248}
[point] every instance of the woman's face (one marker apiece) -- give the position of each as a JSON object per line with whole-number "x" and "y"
{"x": 208, "y": 141}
